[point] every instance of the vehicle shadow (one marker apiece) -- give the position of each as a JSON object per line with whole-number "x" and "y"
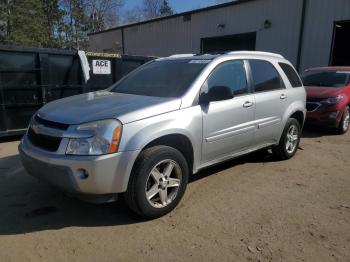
{"x": 315, "y": 132}
{"x": 261, "y": 156}
{"x": 29, "y": 205}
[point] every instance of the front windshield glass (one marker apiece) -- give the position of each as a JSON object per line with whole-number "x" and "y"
{"x": 166, "y": 78}
{"x": 325, "y": 78}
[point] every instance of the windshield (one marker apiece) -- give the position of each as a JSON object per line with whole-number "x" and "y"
{"x": 325, "y": 78}
{"x": 167, "y": 78}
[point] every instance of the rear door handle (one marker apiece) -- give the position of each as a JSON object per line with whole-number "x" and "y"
{"x": 247, "y": 104}
{"x": 283, "y": 96}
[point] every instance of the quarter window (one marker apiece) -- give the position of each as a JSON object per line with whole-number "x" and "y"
{"x": 265, "y": 76}
{"x": 231, "y": 74}
{"x": 291, "y": 75}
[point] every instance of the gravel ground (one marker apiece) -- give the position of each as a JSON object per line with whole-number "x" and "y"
{"x": 248, "y": 209}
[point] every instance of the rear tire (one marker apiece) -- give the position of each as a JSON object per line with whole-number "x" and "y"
{"x": 289, "y": 141}
{"x": 158, "y": 182}
{"x": 344, "y": 123}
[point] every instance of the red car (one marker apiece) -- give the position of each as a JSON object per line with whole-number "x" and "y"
{"x": 328, "y": 97}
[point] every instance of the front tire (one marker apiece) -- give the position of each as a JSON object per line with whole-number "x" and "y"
{"x": 345, "y": 121}
{"x": 158, "y": 181}
{"x": 289, "y": 141}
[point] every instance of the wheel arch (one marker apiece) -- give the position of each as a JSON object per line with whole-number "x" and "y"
{"x": 178, "y": 141}
{"x": 296, "y": 111}
{"x": 298, "y": 115}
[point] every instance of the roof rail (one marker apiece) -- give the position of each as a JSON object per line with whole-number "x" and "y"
{"x": 254, "y": 53}
{"x": 181, "y": 55}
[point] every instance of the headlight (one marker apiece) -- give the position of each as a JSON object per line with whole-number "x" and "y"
{"x": 104, "y": 139}
{"x": 333, "y": 100}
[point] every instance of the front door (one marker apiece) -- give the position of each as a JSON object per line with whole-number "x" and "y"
{"x": 228, "y": 126}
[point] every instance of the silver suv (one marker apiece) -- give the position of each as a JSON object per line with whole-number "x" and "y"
{"x": 168, "y": 119}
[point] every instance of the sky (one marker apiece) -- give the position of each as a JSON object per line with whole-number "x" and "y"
{"x": 178, "y": 5}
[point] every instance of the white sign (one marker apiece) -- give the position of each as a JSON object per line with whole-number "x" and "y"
{"x": 101, "y": 67}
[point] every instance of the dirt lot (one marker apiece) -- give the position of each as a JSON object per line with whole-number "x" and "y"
{"x": 250, "y": 209}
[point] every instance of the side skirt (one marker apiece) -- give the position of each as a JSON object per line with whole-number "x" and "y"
{"x": 230, "y": 157}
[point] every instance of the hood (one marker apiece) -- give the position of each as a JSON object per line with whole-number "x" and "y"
{"x": 103, "y": 105}
{"x": 322, "y": 92}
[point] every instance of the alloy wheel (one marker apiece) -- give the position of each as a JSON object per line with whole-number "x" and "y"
{"x": 292, "y": 139}
{"x": 163, "y": 183}
{"x": 346, "y": 120}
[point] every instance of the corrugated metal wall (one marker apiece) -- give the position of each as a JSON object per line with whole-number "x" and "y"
{"x": 110, "y": 40}
{"x": 159, "y": 38}
{"x": 165, "y": 37}
{"x": 318, "y": 34}
{"x": 174, "y": 35}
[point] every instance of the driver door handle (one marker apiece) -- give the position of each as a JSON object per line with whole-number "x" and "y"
{"x": 248, "y": 104}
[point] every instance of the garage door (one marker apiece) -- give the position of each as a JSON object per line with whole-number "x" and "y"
{"x": 340, "y": 55}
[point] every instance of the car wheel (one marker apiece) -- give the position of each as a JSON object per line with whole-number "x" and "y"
{"x": 289, "y": 141}
{"x": 158, "y": 181}
{"x": 345, "y": 121}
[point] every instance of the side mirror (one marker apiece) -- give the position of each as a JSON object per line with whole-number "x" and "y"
{"x": 216, "y": 93}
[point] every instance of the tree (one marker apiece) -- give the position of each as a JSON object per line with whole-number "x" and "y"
{"x": 102, "y": 14}
{"x": 75, "y": 24}
{"x": 165, "y": 9}
{"x": 133, "y": 15}
{"x": 151, "y": 8}
{"x": 23, "y": 22}
{"x": 55, "y": 23}
{"x": 156, "y": 8}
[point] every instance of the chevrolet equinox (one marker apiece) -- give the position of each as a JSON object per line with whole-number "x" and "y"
{"x": 167, "y": 119}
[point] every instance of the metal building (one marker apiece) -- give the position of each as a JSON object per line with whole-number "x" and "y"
{"x": 307, "y": 32}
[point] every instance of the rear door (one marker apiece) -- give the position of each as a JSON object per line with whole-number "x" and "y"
{"x": 271, "y": 101}
{"x": 228, "y": 126}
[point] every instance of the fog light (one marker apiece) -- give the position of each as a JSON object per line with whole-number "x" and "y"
{"x": 334, "y": 114}
{"x": 82, "y": 174}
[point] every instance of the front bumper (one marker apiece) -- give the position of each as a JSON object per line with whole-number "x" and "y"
{"x": 107, "y": 174}
{"x": 326, "y": 115}
{"x": 322, "y": 119}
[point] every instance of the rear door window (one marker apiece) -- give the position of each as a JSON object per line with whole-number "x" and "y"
{"x": 265, "y": 76}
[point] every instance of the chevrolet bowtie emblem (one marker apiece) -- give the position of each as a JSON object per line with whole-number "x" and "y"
{"x": 35, "y": 128}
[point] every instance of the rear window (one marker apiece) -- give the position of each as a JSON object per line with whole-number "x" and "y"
{"x": 334, "y": 79}
{"x": 167, "y": 78}
{"x": 291, "y": 75}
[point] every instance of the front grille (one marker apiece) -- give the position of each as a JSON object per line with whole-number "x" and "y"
{"x": 312, "y": 99}
{"x": 51, "y": 124}
{"x": 311, "y": 106}
{"x": 49, "y": 143}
